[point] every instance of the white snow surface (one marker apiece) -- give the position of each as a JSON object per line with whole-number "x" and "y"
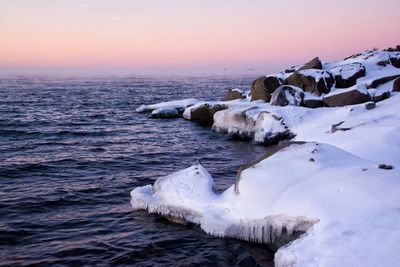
{"x": 177, "y": 104}
{"x": 330, "y": 187}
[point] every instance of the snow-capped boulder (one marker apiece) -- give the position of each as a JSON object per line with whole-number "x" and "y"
{"x": 314, "y": 81}
{"x": 203, "y": 113}
{"x": 396, "y": 85}
{"x": 263, "y": 87}
{"x": 314, "y": 63}
{"x": 164, "y": 113}
{"x": 234, "y": 94}
{"x": 347, "y": 75}
{"x": 287, "y": 95}
{"x": 350, "y": 96}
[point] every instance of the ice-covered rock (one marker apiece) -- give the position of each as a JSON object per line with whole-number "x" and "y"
{"x": 346, "y": 205}
{"x": 179, "y": 105}
{"x": 287, "y": 95}
{"x": 253, "y": 124}
{"x": 164, "y": 113}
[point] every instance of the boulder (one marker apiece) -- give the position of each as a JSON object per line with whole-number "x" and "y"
{"x": 313, "y": 103}
{"x": 287, "y": 95}
{"x": 381, "y": 96}
{"x": 395, "y": 61}
{"x": 396, "y": 85}
{"x": 314, "y": 81}
{"x": 234, "y": 94}
{"x": 375, "y": 83}
{"x": 314, "y": 63}
{"x": 347, "y": 75}
{"x": 263, "y": 87}
{"x": 350, "y": 96}
{"x": 204, "y": 113}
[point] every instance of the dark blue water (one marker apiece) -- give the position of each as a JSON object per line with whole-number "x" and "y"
{"x": 71, "y": 149}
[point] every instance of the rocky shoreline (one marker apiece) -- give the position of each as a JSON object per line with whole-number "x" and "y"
{"x": 331, "y": 185}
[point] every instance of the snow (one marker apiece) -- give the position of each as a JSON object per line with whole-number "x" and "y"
{"x": 165, "y": 112}
{"x": 347, "y": 71}
{"x": 322, "y": 200}
{"x": 177, "y": 104}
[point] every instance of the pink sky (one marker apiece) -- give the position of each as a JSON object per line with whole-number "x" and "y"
{"x": 178, "y": 36}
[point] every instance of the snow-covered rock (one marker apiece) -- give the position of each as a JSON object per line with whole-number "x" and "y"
{"x": 263, "y": 87}
{"x": 164, "y": 113}
{"x": 314, "y": 81}
{"x": 179, "y": 105}
{"x": 350, "y": 96}
{"x": 287, "y": 95}
{"x": 347, "y": 75}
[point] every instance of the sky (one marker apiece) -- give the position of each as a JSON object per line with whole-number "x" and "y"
{"x": 187, "y": 36}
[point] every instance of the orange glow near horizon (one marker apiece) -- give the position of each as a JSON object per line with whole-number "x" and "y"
{"x": 157, "y": 35}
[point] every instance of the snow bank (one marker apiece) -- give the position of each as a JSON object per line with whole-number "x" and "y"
{"x": 340, "y": 200}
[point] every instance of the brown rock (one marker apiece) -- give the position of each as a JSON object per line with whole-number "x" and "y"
{"x": 233, "y": 94}
{"x": 382, "y": 80}
{"x": 344, "y": 82}
{"x": 314, "y": 63}
{"x": 380, "y": 97}
{"x": 313, "y": 103}
{"x": 204, "y": 114}
{"x": 309, "y": 83}
{"x": 263, "y": 87}
{"x": 396, "y": 85}
{"x": 347, "y": 97}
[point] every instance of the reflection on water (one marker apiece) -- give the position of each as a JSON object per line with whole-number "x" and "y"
{"x": 72, "y": 149}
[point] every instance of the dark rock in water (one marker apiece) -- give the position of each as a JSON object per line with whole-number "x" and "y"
{"x": 313, "y": 103}
{"x": 165, "y": 113}
{"x": 396, "y": 85}
{"x": 347, "y": 97}
{"x": 382, "y": 80}
{"x": 336, "y": 127}
{"x": 233, "y": 94}
{"x": 263, "y": 87}
{"x": 381, "y": 96}
{"x": 385, "y": 167}
{"x": 287, "y": 95}
{"x": 370, "y": 105}
{"x": 314, "y": 63}
{"x": 204, "y": 114}
{"x": 347, "y": 75}
{"x": 313, "y": 81}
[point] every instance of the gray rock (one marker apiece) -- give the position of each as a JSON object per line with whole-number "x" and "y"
{"x": 370, "y": 105}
